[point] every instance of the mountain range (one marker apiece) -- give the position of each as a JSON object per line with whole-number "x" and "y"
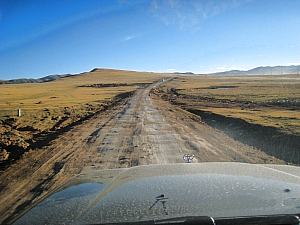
{"x": 263, "y": 70}
{"x": 37, "y": 80}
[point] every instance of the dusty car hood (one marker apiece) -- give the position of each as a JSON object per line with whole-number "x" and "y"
{"x": 164, "y": 191}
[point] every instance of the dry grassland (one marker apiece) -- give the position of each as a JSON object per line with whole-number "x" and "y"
{"x": 50, "y": 106}
{"x": 67, "y": 91}
{"x": 272, "y": 101}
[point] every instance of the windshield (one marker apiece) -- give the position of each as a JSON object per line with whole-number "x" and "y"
{"x": 148, "y": 109}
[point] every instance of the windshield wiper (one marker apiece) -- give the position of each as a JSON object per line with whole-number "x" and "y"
{"x": 206, "y": 220}
{"x": 260, "y": 220}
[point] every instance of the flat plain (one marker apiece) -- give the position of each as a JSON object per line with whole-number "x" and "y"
{"x": 272, "y": 101}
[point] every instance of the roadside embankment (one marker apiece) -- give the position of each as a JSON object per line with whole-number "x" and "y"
{"x": 219, "y": 114}
{"x": 269, "y": 139}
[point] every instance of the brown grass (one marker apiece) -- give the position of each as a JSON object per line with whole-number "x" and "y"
{"x": 66, "y": 92}
{"x": 229, "y": 96}
{"x": 50, "y": 106}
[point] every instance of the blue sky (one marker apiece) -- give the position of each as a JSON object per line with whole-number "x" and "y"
{"x": 39, "y": 38}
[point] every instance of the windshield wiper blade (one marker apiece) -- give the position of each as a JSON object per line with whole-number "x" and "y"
{"x": 191, "y": 220}
{"x": 206, "y": 220}
{"x": 261, "y": 220}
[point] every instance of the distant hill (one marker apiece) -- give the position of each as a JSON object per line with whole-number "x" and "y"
{"x": 111, "y": 70}
{"x": 56, "y": 77}
{"x": 38, "y": 80}
{"x": 184, "y": 73}
{"x": 263, "y": 70}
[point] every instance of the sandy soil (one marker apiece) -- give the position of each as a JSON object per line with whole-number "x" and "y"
{"x": 143, "y": 129}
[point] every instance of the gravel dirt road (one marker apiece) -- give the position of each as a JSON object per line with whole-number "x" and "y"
{"x": 150, "y": 130}
{"x": 142, "y": 129}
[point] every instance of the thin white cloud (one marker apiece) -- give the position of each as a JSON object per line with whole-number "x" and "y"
{"x": 129, "y": 37}
{"x": 190, "y": 13}
{"x": 53, "y": 26}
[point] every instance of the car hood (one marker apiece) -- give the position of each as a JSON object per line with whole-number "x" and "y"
{"x": 172, "y": 190}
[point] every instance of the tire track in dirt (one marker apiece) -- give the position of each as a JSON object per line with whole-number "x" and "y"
{"x": 152, "y": 131}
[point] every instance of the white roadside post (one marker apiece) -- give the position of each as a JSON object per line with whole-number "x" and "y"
{"x": 19, "y": 113}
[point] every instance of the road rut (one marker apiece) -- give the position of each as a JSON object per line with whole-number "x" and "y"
{"x": 151, "y": 131}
